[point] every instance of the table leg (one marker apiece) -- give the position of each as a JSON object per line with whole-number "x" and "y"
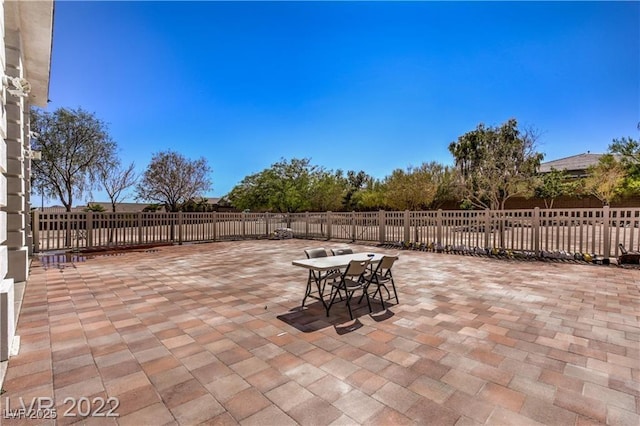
{"x": 311, "y": 280}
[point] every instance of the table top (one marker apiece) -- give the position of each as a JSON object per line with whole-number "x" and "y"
{"x": 334, "y": 262}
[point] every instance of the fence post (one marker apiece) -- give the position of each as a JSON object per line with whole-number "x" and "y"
{"x": 353, "y": 226}
{"x": 306, "y": 224}
{"x": 35, "y": 225}
{"x": 381, "y": 226}
{"x": 214, "y": 218}
{"x": 266, "y": 224}
{"x": 329, "y": 225}
{"x": 439, "y": 226}
{"x": 140, "y": 233}
{"x": 407, "y": 226}
{"x": 535, "y": 223}
{"x": 606, "y": 217}
{"x": 89, "y": 229}
{"x": 244, "y": 224}
{"x": 487, "y": 227}
{"x": 67, "y": 233}
{"x": 179, "y": 228}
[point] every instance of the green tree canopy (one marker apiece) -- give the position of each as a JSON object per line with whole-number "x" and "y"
{"x": 326, "y": 190}
{"x": 444, "y": 178}
{"x": 410, "y": 189}
{"x": 628, "y": 150}
{"x": 606, "y": 179}
{"x": 495, "y": 163}
{"x": 552, "y": 185}
{"x": 172, "y": 179}
{"x": 73, "y": 144}
{"x": 283, "y": 187}
{"x": 372, "y": 196}
{"x": 356, "y": 182}
{"x": 297, "y": 185}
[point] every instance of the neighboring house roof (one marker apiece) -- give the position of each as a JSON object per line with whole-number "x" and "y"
{"x": 138, "y": 207}
{"x": 121, "y": 207}
{"x": 575, "y": 163}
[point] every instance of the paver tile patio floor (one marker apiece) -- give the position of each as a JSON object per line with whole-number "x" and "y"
{"x": 213, "y": 333}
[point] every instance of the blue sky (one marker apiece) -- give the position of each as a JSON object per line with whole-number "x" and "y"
{"x": 370, "y": 86}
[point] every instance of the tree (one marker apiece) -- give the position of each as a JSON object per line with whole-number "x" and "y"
{"x": 413, "y": 189}
{"x": 372, "y": 196}
{"x": 628, "y": 150}
{"x": 552, "y": 185}
{"x": 171, "y": 179}
{"x": 356, "y": 181}
{"x": 199, "y": 204}
{"x": 606, "y": 179}
{"x": 284, "y": 187}
{"x": 95, "y": 208}
{"x": 495, "y": 163}
{"x": 289, "y": 184}
{"x": 326, "y": 190}
{"x": 250, "y": 194}
{"x": 73, "y": 144}
{"x": 444, "y": 178}
{"x": 115, "y": 180}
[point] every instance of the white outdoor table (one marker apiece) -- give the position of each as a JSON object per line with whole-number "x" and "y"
{"x": 335, "y": 262}
{"x": 329, "y": 263}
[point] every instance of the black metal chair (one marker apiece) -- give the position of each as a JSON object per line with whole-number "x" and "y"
{"x": 380, "y": 277}
{"x": 351, "y": 280}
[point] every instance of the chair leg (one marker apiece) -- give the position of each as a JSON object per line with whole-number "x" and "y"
{"x": 368, "y": 300}
{"x": 330, "y": 303}
{"x": 333, "y": 298}
{"x": 381, "y": 298}
{"x": 349, "y": 295}
{"x": 365, "y": 290}
{"x": 395, "y": 293}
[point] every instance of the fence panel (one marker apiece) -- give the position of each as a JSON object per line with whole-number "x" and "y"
{"x": 625, "y": 229}
{"x": 309, "y": 225}
{"x": 342, "y": 226}
{"x": 198, "y": 227}
{"x": 460, "y": 229}
{"x": 366, "y": 226}
{"x": 572, "y": 231}
{"x": 394, "y": 227}
{"x": 595, "y": 231}
{"x": 277, "y": 221}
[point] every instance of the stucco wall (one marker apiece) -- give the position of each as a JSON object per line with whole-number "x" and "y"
{"x": 17, "y": 164}
{"x": 25, "y": 51}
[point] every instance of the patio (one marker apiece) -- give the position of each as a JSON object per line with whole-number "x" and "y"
{"x": 211, "y": 333}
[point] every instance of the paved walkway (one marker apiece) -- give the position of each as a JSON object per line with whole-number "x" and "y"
{"x": 212, "y": 333}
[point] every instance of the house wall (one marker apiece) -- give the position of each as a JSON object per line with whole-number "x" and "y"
{"x": 7, "y": 327}
{"x": 18, "y": 165}
{"x": 564, "y": 202}
{"x": 25, "y": 52}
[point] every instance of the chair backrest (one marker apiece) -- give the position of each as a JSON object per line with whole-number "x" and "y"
{"x": 383, "y": 268}
{"x": 387, "y": 262}
{"x": 315, "y": 252}
{"x": 356, "y": 268}
{"x": 339, "y": 251}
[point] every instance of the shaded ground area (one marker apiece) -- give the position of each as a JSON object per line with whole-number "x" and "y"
{"x": 213, "y": 333}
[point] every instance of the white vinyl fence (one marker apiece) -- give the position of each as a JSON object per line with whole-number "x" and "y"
{"x": 535, "y": 231}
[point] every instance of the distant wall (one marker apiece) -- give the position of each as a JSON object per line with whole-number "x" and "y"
{"x": 589, "y": 202}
